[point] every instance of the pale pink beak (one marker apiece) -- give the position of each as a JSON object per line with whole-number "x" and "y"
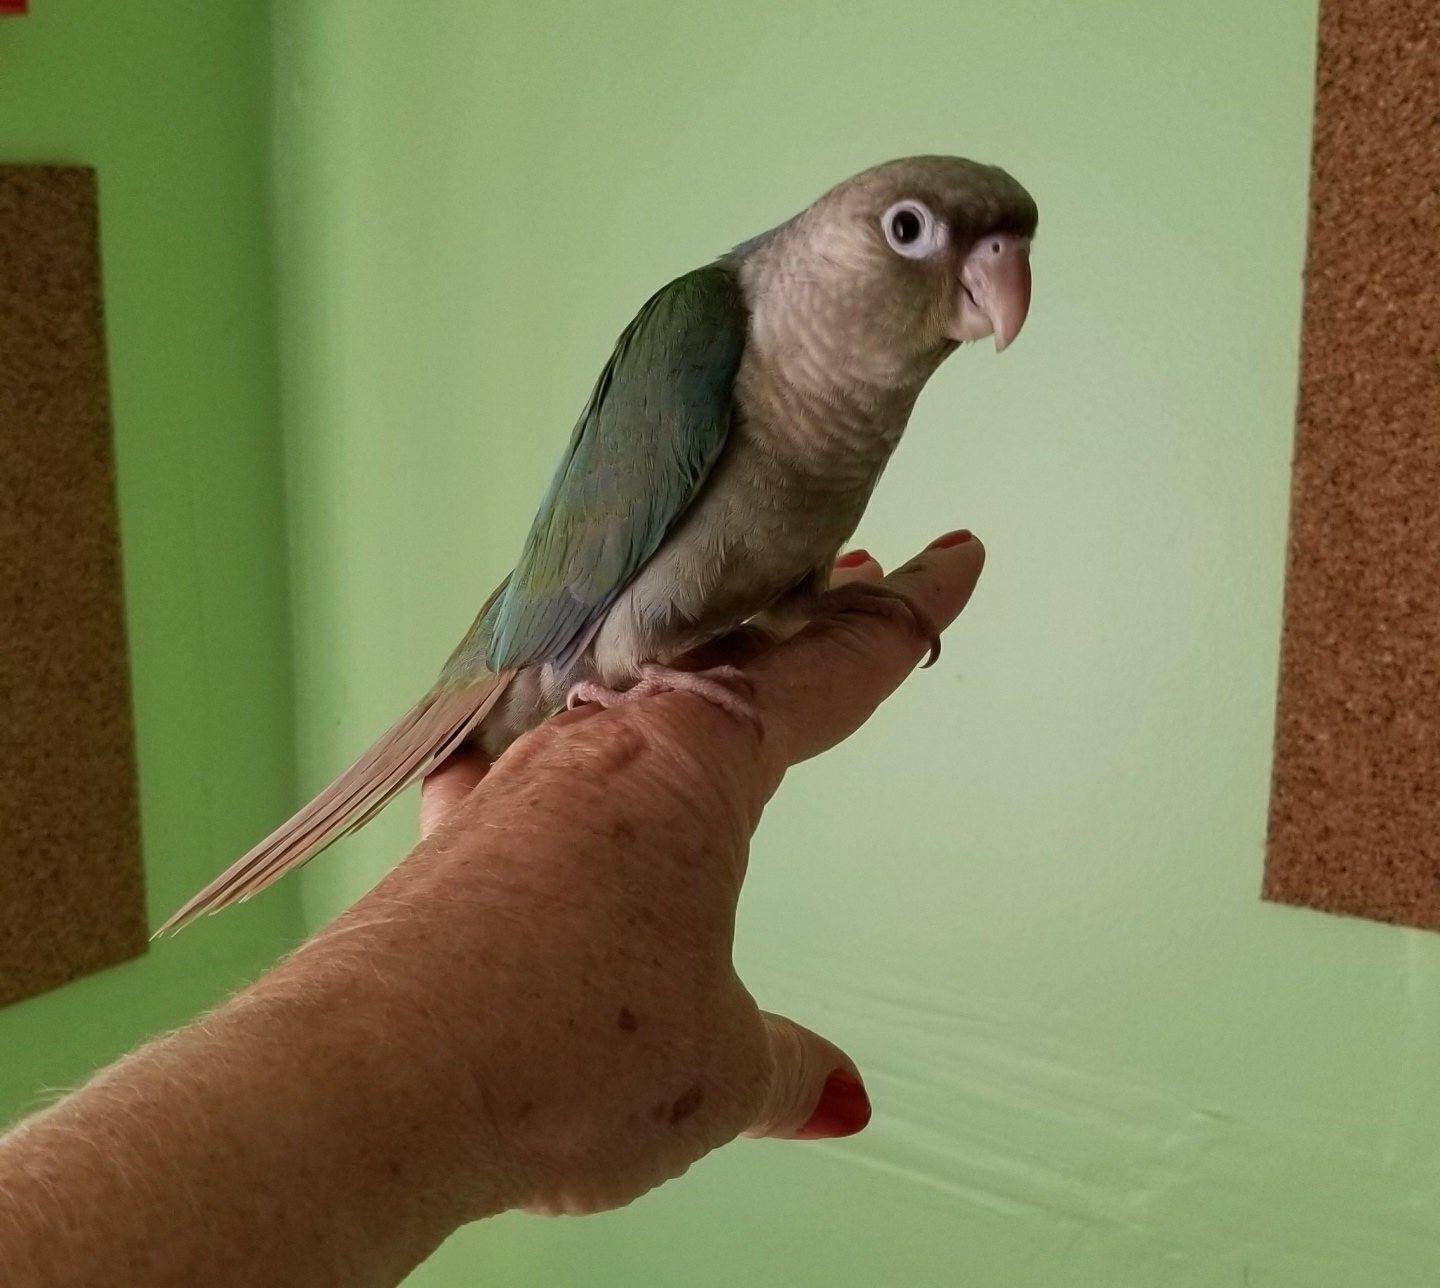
{"x": 995, "y": 289}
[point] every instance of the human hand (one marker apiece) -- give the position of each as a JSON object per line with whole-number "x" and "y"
{"x": 588, "y": 883}
{"x": 536, "y": 1009}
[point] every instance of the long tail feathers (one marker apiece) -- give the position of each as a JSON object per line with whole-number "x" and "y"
{"x": 424, "y": 737}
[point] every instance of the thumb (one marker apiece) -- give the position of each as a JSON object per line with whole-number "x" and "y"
{"x": 815, "y": 1090}
{"x": 447, "y": 785}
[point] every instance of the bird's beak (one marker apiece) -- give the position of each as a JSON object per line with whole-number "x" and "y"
{"x": 994, "y": 290}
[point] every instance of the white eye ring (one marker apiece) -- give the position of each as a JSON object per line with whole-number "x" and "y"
{"x": 912, "y": 230}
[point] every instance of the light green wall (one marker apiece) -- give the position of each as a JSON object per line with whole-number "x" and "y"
{"x": 1026, "y": 897}
{"x": 168, "y": 101}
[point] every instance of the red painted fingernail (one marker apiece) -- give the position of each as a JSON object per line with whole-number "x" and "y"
{"x": 843, "y": 1110}
{"x": 956, "y": 538}
{"x": 853, "y": 559}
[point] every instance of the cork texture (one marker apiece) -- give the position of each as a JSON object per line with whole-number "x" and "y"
{"x": 71, "y": 889}
{"x": 1355, "y": 806}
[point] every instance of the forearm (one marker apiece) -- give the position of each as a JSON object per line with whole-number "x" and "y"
{"x": 327, "y": 1125}
{"x": 337, "y": 1120}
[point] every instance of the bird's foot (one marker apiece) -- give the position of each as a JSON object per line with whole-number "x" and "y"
{"x": 884, "y": 601}
{"x": 726, "y": 687}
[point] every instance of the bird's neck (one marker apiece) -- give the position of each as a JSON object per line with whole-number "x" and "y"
{"x": 840, "y": 430}
{"x": 816, "y": 393}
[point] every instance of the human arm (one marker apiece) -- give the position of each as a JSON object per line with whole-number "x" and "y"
{"x": 536, "y": 1009}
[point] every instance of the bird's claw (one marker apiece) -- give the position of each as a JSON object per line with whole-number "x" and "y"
{"x": 726, "y": 687}
{"x": 885, "y": 601}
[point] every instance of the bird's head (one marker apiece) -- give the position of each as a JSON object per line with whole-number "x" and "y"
{"x": 915, "y": 256}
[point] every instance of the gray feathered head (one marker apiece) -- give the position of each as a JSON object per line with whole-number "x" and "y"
{"x": 910, "y": 258}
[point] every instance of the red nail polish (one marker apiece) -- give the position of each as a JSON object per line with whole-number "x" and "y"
{"x": 843, "y": 1110}
{"x": 956, "y": 538}
{"x": 853, "y": 559}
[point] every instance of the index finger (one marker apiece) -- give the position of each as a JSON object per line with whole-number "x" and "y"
{"x": 820, "y": 686}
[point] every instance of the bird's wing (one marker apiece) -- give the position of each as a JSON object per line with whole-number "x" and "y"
{"x": 655, "y": 424}
{"x": 653, "y": 427}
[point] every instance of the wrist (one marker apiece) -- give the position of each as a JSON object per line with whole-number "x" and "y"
{"x": 390, "y": 1005}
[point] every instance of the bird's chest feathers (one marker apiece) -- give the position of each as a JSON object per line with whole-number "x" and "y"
{"x": 810, "y": 438}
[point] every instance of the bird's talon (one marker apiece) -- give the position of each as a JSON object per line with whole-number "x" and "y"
{"x": 591, "y": 691}
{"x": 726, "y": 687}
{"x": 876, "y": 597}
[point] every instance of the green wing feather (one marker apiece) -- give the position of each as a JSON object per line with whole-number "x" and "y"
{"x": 654, "y": 425}
{"x": 653, "y": 428}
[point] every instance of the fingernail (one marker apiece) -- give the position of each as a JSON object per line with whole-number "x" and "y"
{"x": 843, "y": 1110}
{"x": 854, "y": 559}
{"x": 957, "y": 538}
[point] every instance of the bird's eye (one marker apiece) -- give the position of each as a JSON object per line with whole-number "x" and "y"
{"x": 906, "y": 226}
{"x": 912, "y": 230}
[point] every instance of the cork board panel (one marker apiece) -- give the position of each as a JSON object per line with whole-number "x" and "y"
{"x": 71, "y": 891}
{"x": 1355, "y": 806}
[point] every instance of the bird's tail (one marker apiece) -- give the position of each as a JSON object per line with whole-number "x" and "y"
{"x": 424, "y": 737}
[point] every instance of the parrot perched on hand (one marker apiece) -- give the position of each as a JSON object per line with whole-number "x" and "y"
{"x": 725, "y": 455}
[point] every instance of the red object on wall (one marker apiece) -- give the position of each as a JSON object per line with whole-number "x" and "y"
{"x": 14, "y": 8}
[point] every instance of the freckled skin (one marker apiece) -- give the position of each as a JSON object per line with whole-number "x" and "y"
{"x": 687, "y": 1105}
